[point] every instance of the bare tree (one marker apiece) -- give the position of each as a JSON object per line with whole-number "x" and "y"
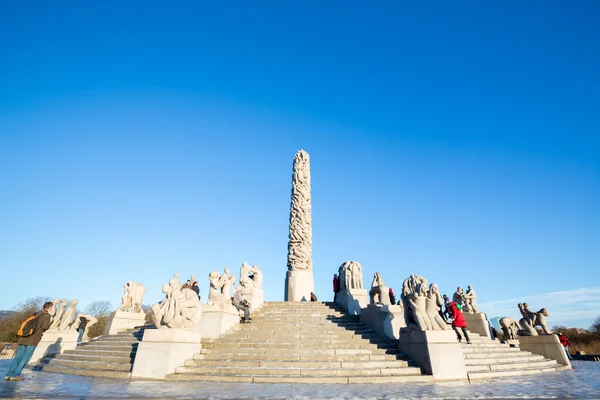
{"x": 32, "y": 305}
{"x": 101, "y": 308}
{"x": 596, "y": 325}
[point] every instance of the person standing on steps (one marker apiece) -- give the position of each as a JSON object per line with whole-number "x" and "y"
{"x": 336, "y": 286}
{"x": 458, "y": 321}
{"x": 28, "y": 344}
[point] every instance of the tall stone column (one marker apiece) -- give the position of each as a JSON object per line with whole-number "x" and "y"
{"x": 299, "y": 281}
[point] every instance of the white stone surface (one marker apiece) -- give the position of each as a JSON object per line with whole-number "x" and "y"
{"x": 437, "y": 352}
{"x": 120, "y": 321}
{"x": 545, "y": 345}
{"x": 386, "y": 320}
{"x": 54, "y": 342}
{"x": 298, "y": 285}
{"x": 353, "y": 300}
{"x": 218, "y": 319}
{"x": 477, "y": 323}
{"x": 163, "y": 350}
{"x": 256, "y": 298}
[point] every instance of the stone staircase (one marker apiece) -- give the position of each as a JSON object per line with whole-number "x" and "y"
{"x": 487, "y": 359}
{"x": 109, "y": 357}
{"x": 300, "y": 342}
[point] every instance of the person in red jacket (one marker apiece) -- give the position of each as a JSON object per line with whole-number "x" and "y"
{"x": 458, "y": 321}
{"x": 336, "y": 286}
{"x": 565, "y": 342}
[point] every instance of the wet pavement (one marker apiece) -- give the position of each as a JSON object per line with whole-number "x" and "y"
{"x": 583, "y": 382}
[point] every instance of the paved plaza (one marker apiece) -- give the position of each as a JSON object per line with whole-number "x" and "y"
{"x": 583, "y": 382}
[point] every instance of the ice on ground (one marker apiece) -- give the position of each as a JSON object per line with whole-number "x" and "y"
{"x": 583, "y": 382}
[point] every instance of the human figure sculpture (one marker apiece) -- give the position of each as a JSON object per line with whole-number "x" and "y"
{"x": 418, "y": 303}
{"x": 355, "y": 272}
{"x": 68, "y": 316}
{"x": 414, "y": 303}
{"x": 214, "y": 290}
{"x": 433, "y": 305}
{"x": 471, "y": 300}
{"x": 532, "y": 319}
{"x": 132, "y": 297}
{"x": 174, "y": 282}
{"x": 257, "y": 278}
{"x": 510, "y": 327}
{"x": 91, "y": 320}
{"x": 379, "y": 293}
{"x": 179, "y": 310}
{"x": 250, "y": 278}
{"x": 228, "y": 281}
{"x": 59, "y": 313}
{"x": 459, "y": 297}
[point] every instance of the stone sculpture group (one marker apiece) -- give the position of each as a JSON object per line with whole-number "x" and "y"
{"x": 532, "y": 319}
{"x": 350, "y": 275}
{"x": 64, "y": 317}
{"x": 179, "y": 310}
{"x": 379, "y": 293}
{"x": 132, "y": 297}
{"x": 220, "y": 287}
{"x": 422, "y": 304}
{"x": 250, "y": 278}
{"x": 468, "y": 300}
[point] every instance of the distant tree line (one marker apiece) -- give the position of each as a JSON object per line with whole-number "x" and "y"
{"x": 584, "y": 340}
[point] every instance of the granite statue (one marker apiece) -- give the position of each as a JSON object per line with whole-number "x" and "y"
{"x": 132, "y": 297}
{"x": 510, "y": 328}
{"x": 379, "y": 293}
{"x": 470, "y": 299}
{"x": 58, "y": 314}
{"x": 179, "y": 310}
{"x": 433, "y": 306}
{"x": 532, "y": 319}
{"x": 68, "y": 317}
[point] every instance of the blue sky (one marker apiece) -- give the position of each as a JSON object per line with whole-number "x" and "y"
{"x": 458, "y": 141}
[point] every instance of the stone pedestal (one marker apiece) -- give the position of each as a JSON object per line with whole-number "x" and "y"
{"x": 353, "y": 300}
{"x": 545, "y": 345}
{"x": 163, "y": 350}
{"x": 120, "y": 321}
{"x": 438, "y": 353}
{"x": 298, "y": 285}
{"x": 383, "y": 319}
{"x": 477, "y": 323}
{"x": 256, "y": 299}
{"x": 218, "y": 319}
{"x": 54, "y": 342}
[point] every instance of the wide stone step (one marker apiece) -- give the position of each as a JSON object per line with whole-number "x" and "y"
{"x": 468, "y": 349}
{"x": 299, "y": 371}
{"x": 95, "y": 358}
{"x": 119, "y": 339}
{"x": 225, "y": 357}
{"x": 253, "y": 341}
{"x": 300, "y": 364}
{"x": 98, "y": 366}
{"x": 101, "y": 352}
{"x": 312, "y": 346}
{"x": 518, "y": 372}
{"x": 300, "y": 379}
{"x": 323, "y": 351}
{"x": 110, "y": 345}
{"x": 502, "y": 359}
{"x": 511, "y": 366}
{"x": 86, "y": 372}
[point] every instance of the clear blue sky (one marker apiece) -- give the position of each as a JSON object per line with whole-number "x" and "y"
{"x": 455, "y": 140}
